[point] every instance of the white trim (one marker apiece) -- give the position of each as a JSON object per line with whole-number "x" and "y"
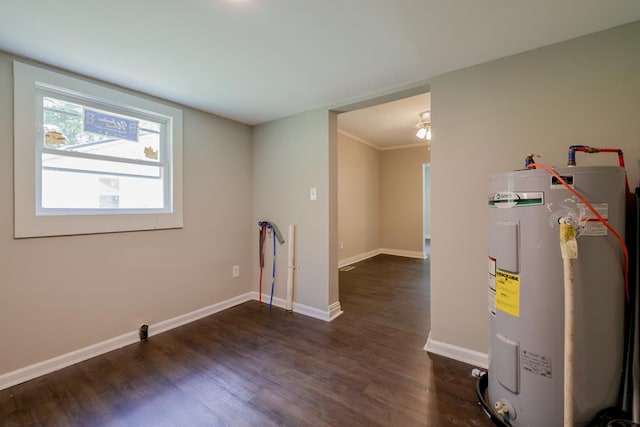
{"x": 335, "y": 310}
{"x": 358, "y": 139}
{"x": 47, "y": 366}
{"x": 358, "y": 258}
{"x": 41, "y": 368}
{"x": 472, "y": 357}
{"x": 278, "y": 302}
{"x": 400, "y": 147}
{"x": 183, "y": 319}
{"x": 312, "y": 312}
{"x": 328, "y": 315}
{"x": 381, "y": 251}
{"x": 372, "y": 145}
{"x": 400, "y": 252}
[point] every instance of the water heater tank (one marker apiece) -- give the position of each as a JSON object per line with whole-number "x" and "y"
{"x": 526, "y": 293}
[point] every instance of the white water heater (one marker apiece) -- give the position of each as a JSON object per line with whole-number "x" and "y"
{"x": 526, "y": 294}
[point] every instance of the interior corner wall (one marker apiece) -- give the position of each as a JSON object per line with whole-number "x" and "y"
{"x": 334, "y": 286}
{"x": 486, "y": 119}
{"x": 401, "y": 198}
{"x": 290, "y": 156}
{"x": 61, "y": 294}
{"x": 358, "y": 197}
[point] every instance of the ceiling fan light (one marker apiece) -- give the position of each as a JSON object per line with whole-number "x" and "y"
{"x": 428, "y": 134}
{"x": 422, "y": 133}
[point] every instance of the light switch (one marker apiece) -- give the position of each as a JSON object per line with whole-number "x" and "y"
{"x": 313, "y": 194}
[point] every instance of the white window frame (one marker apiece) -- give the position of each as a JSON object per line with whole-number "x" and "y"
{"x": 32, "y": 221}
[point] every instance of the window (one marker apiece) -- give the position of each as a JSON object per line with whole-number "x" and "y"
{"x": 89, "y": 159}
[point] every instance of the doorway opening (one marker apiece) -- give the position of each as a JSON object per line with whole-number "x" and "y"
{"x": 383, "y": 181}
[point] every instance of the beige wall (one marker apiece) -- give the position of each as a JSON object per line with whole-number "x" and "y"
{"x": 60, "y": 294}
{"x": 486, "y": 119}
{"x": 401, "y": 198}
{"x": 290, "y": 156}
{"x": 358, "y": 197}
{"x": 380, "y": 198}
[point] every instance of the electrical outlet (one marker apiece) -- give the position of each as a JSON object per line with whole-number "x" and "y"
{"x": 235, "y": 271}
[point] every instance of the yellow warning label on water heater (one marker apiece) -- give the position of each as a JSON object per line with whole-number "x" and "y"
{"x": 508, "y": 292}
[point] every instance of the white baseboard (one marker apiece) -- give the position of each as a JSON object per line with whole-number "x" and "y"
{"x": 277, "y": 302}
{"x": 41, "y": 368}
{"x": 328, "y": 315}
{"x": 358, "y": 258}
{"x": 335, "y": 310}
{"x": 400, "y": 252}
{"x": 165, "y": 325}
{"x": 47, "y": 366}
{"x": 472, "y": 357}
{"x": 380, "y": 251}
{"x": 30, "y": 372}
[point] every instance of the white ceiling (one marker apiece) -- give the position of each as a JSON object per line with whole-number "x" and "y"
{"x": 388, "y": 125}
{"x": 259, "y": 60}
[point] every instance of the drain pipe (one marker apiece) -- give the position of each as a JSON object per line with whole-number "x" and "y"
{"x": 569, "y": 250}
{"x": 291, "y": 266}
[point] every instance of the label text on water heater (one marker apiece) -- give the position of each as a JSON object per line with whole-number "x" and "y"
{"x": 508, "y": 292}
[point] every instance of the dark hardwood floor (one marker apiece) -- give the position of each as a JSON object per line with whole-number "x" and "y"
{"x": 251, "y": 366}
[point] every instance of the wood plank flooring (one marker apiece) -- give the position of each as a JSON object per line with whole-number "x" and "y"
{"x": 251, "y": 366}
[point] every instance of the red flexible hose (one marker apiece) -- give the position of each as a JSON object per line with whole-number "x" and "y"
{"x": 600, "y": 218}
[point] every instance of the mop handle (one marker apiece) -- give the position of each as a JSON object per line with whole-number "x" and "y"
{"x": 273, "y": 276}
{"x": 263, "y": 236}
